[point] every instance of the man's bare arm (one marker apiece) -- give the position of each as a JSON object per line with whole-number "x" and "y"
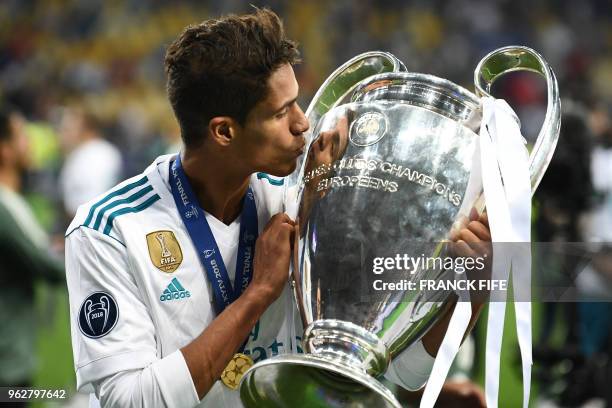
{"x": 473, "y": 240}
{"x": 211, "y": 351}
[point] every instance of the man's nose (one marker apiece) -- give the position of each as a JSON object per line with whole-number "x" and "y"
{"x": 301, "y": 125}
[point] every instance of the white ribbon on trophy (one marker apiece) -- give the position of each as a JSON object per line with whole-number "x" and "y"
{"x": 505, "y": 175}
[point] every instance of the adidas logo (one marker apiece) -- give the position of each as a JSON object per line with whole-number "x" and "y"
{"x": 174, "y": 291}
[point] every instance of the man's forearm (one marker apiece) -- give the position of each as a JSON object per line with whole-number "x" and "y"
{"x": 473, "y": 240}
{"x": 433, "y": 339}
{"x": 211, "y": 351}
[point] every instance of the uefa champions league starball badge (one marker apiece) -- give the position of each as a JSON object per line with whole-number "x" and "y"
{"x": 232, "y": 374}
{"x": 368, "y": 129}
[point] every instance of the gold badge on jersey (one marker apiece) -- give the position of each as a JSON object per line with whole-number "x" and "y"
{"x": 164, "y": 250}
{"x": 232, "y": 374}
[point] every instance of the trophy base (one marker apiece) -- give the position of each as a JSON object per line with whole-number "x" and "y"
{"x": 303, "y": 380}
{"x": 348, "y": 344}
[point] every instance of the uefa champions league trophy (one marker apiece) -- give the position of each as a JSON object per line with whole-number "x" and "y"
{"x": 387, "y": 171}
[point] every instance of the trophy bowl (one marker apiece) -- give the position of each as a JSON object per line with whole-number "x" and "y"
{"x": 388, "y": 171}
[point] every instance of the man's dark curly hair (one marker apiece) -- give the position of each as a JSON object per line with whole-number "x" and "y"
{"x": 221, "y": 66}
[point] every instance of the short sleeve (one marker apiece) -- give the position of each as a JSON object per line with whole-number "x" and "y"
{"x": 111, "y": 328}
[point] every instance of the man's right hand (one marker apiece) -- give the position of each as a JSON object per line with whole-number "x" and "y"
{"x": 272, "y": 255}
{"x": 210, "y": 352}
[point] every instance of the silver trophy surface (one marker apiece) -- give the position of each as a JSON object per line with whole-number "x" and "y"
{"x": 387, "y": 171}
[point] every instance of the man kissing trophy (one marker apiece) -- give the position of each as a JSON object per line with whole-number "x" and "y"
{"x": 395, "y": 159}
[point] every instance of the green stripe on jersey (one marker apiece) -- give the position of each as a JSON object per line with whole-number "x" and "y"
{"x": 130, "y": 199}
{"x": 138, "y": 208}
{"x": 122, "y": 190}
{"x": 274, "y": 182}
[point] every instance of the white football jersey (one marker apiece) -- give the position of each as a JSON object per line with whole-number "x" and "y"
{"x": 138, "y": 292}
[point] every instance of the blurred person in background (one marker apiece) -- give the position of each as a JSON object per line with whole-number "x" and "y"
{"x": 601, "y": 171}
{"x": 92, "y": 164}
{"x": 594, "y": 282}
{"x": 563, "y": 196}
{"x": 24, "y": 258}
{"x": 578, "y": 172}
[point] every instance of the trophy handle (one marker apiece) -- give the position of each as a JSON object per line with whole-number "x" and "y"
{"x": 342, "y": 81}
{"x": 517, "y": 58}
{"x": 345, "y": 77}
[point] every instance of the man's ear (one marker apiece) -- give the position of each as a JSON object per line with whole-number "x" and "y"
{"x": 222, "y": 130}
